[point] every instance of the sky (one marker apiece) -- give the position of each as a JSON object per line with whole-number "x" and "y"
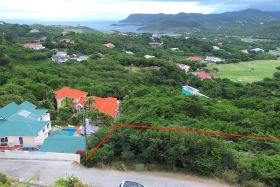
{"x": 115, "y": 10}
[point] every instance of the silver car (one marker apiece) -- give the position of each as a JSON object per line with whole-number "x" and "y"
{"x": 130, "y": 184}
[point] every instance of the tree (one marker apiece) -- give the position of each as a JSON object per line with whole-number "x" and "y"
{"x": 66, "y": 112}
{"x": 4, "y": 60}
{"x": 89, "y": 102}
{"x": 66, "y": 101}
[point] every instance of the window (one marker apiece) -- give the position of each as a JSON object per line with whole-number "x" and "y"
{"x": 4, "y": 140}
{"x": 20, "y": 140}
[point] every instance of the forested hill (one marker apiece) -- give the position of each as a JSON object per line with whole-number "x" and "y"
{"x": 187, "y": 22}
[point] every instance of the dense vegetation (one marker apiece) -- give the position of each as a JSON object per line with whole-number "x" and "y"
{"x": 152, "y": 97}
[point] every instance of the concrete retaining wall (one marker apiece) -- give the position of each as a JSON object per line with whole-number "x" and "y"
{"x": 39, "y": 156}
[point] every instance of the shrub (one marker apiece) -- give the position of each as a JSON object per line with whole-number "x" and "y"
{"x": 104, "y": 155}
{"x": 71, "y": 181}
{"x": 268, "y": 169}
{"x": 127, "y": 155}
{"x": 3, "y": 178}
{"x": 229, "y": 176}
{"x": 80, "y": 152}
{"x": 253, "y": 183}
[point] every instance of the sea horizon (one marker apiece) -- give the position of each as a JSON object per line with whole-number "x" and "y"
{"x": 99, "y": 25}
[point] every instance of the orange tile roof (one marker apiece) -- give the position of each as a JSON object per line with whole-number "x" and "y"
{"x": 108, "y": 105}
{"x": 69, "y": 92}
{"x": 110, "y": 45}
{"x": 195, "y": 58}
{"x": 33, "y": 45}
{"x": 203, "y": 75}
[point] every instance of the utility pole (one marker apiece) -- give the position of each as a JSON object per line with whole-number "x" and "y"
{"x": 85, "y": 121}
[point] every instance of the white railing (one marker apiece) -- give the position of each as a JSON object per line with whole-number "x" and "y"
{"x": 26, "y": 155}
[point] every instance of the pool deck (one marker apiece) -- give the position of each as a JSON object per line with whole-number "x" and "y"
{"x": 77, "y": 133}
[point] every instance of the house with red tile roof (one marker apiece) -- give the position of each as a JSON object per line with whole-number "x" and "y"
{"x": 74, "y": 94}
{"x": 183, "y": 67}
{"x": 109, "y": 45}
{"x": 156, "y": 44}
{"x": 35, "y": 46}
{"x": 108, "y": 105}
{"x": 195, "y": 58}
{"x": 203, "y": 75}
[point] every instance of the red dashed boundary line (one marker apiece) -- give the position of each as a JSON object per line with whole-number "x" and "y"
{"x": 191, "y": 131}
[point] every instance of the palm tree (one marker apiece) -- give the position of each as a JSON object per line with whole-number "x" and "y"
{"x": 66, "y": 101}
{"x": 89, "y": 102}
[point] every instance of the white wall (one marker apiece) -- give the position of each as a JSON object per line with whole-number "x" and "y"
{"x": 14, "y": 140}
{"x": 25, "y": 155}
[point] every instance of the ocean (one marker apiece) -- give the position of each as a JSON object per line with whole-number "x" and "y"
{"x": 97, "y": 25}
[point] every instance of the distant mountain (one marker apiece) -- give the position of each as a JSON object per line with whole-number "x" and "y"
{"x": 190, "y": 21}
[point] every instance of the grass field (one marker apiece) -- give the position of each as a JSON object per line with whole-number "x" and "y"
{"x": 250, "y": 40}
{"x": 246, "y": 71}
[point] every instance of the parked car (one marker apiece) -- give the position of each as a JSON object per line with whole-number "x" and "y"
{"x": 130, "y": 184}
{"x": 30, "y": 148}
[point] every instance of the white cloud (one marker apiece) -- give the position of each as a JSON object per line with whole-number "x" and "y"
{"x": 91, "y": 9}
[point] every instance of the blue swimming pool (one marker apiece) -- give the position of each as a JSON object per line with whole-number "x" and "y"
{"x": 71, "y": 131}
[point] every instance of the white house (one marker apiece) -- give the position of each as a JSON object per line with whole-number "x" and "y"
{"x": 63, "y": 57}
{"x": 257, "y": 50}
{"x": 213, "y": 59}
{"x": 149, "y": 56}
{"x": 34, "y": 30}
{"x": 245, "y": 51}
{"x": 129, "y": 52}
{"x": 216, "y": 47}
{"x": 60, "y": 57}
{"x": 174, "y": 49}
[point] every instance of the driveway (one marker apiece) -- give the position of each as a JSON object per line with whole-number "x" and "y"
{"x": 49, "y": 171}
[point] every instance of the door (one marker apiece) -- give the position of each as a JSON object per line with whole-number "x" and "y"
{"x": 20, "y": 140}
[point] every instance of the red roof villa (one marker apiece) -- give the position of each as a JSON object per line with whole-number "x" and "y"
{"x": 108, "y": 105}
{"x": 203, "y": 75}
{"x": 184, "y": 67}
{"x": 35, "y": 46}
{"x": 109, "y": 45}
{"x": 156, "y": 44}
{"x": 195, "y": 58}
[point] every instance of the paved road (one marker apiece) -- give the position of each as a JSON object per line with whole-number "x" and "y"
{"x": 49, "y": 171}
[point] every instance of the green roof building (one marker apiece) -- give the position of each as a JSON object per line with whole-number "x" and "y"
{"x": 60, "y": 142}
{"x": 23, "y": 124}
